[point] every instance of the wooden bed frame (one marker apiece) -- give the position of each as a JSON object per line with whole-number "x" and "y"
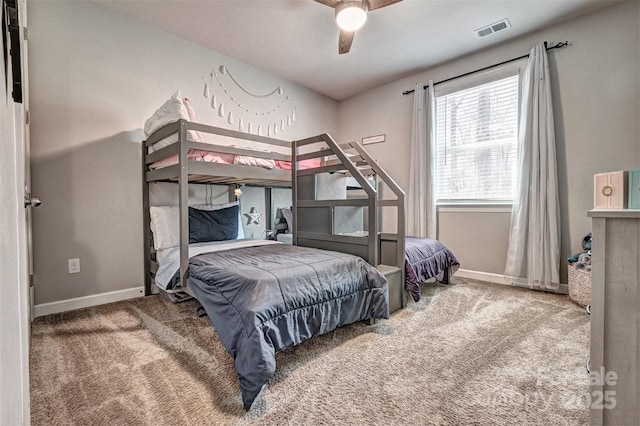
{"x": 315, "y": 220}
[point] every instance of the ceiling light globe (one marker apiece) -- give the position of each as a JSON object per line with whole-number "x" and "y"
{"x": 351, "y": 15}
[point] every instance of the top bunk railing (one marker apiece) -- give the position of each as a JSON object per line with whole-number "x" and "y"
{"x": 218, "y": 172}
{"x": 359, "y": 165}
{"x": 173, "y": 128}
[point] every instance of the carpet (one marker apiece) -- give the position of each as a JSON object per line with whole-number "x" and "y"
{"x": 468, "y": 353}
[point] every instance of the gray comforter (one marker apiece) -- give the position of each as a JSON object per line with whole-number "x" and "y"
{"x": 264, "y": 299}
{"x": 426, "y": 258}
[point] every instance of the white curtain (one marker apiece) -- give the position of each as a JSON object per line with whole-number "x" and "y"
{"x": 533, "y": 256}
{"x": 421, "y": 207}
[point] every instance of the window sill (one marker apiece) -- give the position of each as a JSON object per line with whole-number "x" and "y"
{"x": 474, "y": 207}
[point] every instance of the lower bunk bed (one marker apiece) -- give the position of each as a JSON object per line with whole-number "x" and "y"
{"x": 263, "y": 296}
{"x": 427, "y": 258}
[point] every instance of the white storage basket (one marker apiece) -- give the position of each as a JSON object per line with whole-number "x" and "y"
{"x": 579, "y": 285}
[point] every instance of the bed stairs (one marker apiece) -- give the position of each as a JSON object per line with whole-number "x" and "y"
{"x": 338, "y": 206}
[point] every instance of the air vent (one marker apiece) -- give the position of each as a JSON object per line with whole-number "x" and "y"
{"x": 493, "y": 28}
{"x": 485, "y": 32}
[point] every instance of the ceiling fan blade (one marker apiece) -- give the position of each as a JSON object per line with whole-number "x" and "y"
{"x": 330, "y": 3}
{"x": 377, "y": 4}
{"x": 345, "y": 40}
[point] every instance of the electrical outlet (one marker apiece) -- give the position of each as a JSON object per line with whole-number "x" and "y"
{"x": 74, "y": 266}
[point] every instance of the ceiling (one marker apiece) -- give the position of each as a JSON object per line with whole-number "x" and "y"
{"x": 298, "y": 39}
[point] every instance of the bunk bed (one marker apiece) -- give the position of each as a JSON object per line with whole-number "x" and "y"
{"x": 261, "y": 296}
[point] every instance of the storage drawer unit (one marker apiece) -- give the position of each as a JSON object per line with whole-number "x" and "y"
{"x": 609, "y": 190}
{"x": 615, "y": 318}
{"x": 634, "y": 189}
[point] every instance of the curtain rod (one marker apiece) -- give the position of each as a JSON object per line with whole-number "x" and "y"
{"x": 556, "y": 46}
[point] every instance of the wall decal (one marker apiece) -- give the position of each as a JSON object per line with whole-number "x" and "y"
{"x": 253, "y": 216}
{"x": 272, "y": 109}
{"x": 224, "y": 70}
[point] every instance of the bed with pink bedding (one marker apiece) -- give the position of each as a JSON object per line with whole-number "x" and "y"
{"x": 237, "y": 159}
{"x": 216, "y": 160}
{"x": 213, "y": 145}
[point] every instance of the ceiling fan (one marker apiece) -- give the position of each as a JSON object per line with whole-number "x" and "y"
{"x": 351, "y": 15}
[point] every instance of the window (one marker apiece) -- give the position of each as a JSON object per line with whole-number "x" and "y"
{"x": 476, "y": 140}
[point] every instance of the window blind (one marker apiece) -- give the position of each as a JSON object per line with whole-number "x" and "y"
{"x": 476, "y": 141}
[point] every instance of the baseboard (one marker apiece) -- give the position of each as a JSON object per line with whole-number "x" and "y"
{"x": 483, "y": 276}
{"x": 86, "y": 301}
{"x": 499, "y": 279}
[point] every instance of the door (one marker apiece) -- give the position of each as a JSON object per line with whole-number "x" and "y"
{"x": 14, "y": 287}
{"x": 30, "y": 201}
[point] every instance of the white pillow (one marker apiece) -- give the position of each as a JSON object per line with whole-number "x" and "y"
{"x": 165, "y": 226}
{"x": 171, "y": 111}
{"x": 193, "y": 118}
{"x": 165, "y": 223}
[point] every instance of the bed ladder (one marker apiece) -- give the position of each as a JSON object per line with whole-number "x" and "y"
{"x": 325, "y": 217}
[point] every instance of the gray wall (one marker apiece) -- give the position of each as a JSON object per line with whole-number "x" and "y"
{"x": 597, "y": 113}
{"x": 95, "y": 77}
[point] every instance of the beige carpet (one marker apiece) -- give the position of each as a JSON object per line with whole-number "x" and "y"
{"x": 469, "y": 353}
